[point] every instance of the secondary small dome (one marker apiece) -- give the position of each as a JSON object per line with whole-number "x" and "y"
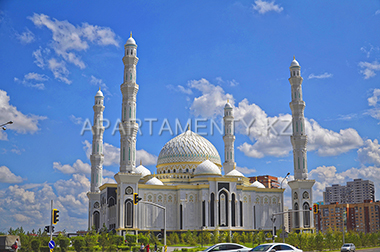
{"x": 154, "y": 181}
{"x": 234, "y": 173}
{"x": 207, "y": 168}
{"x": 142, "y": 170}
{"x": 257, "y": 184}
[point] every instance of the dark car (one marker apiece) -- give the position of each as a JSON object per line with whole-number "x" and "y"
{"x": 273, "y": 247}
{"x": 348, "y": 247}
{"x": 227, "y": 247}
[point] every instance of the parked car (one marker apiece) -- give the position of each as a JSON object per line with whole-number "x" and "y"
{"x": 273, "y": 247}
{"x": 348, "y": 247}
{"x": 227, "y": 247}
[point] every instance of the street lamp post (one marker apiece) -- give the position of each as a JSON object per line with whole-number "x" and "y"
{"x": 282, "y": 209}
{"x": 3, "y": 126}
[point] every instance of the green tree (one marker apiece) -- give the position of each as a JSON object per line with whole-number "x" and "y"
{"x": 78, "y": 243}
{"x": 319, "y": 241}
{"x": 235, "y": 237}
{"x": 63, "y": 242}
{"x": 35, "y": 244}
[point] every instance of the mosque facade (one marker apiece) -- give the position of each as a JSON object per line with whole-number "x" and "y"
{"x": 188, "y": 181}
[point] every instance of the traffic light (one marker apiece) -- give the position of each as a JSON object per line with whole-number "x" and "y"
{"x": 47, "y": 229}
{"x": 162, "y": 232}
{"x": 310, "y": 209}
{"x": 136, "y": 198}
{"x": 315, "y": 208}
{"x": 55, "y": 216}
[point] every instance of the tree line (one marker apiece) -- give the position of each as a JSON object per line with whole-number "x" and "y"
{"x": 109, "y": 241}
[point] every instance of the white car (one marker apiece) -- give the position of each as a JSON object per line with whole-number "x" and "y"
{"x": 227, "y": 247}
{"x": 348, "y": 247}
{"x": 273, "y": 247}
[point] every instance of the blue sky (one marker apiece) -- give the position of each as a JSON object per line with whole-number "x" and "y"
{"x": 193, "y": 56}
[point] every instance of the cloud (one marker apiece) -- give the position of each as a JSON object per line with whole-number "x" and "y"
{"x": 263, "y": 7}
{"x": 180, "y": 89}
{"x": 370, "y": 152}
{"x": 377, "y": 12}
{"x": 28, "y": 205}
{"x": 369, "y": 69}
{"x": 21, "y": 123}
{"x": 40, "y": 56}
{"x": 99, "y": 83}
{"x": 59, "y": 70}
{"x": 212, "y": 101}
{"x": 30, "y": 79}
{"x": 232, "y": 83}
{"x": 321, "y": 76}
{"x": 26, "y": 37}
{"x": 112, "y": 154}
{"x": 77, "y": 167}
{"x": 76, "y": 120}
{"x": 68, "y": 38}
{"x": 245, "y": 170}
{"x": 373, "y": 101}
{"x": 270, "y": 136}
{"x": 6, "y": 176}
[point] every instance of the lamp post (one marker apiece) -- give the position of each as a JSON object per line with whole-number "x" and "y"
{"x": 3, "y": 126}
{"x": 282, "y": 209}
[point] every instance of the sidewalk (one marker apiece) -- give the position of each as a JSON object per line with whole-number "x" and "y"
{"x": 171, "y": 248}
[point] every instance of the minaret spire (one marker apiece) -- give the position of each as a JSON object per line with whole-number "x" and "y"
{"x": 229, "y": 139}
{"x": 97, "y": 156}
{"x": 129, "y": 127}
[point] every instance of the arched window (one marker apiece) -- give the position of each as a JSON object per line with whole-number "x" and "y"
{"x": 306, "y": 215}
{"x": 223, "y": 209}
{"x": 296, "y": 216}
{"x": 233, "y": 210}
{"x": 96, "y": 220}
{"x": 128, "y": 218}
{"x": 180, "y": 217}
{"x": 212, "y": 210}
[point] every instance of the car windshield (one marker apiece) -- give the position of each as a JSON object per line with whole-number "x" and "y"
{"x": 346, "y": 245}
{"x": 261, "y": 248}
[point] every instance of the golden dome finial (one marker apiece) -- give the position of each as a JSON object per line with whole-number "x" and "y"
{"x": 154, "y": 174}
{"x": 294, "y": 57}
{"x": 131, "y": 35}
{"x": 99, "y": 88}
{"x": 228, "y": 100}
{"x": 140, "y": 162}
{"x": 188, "y": 126}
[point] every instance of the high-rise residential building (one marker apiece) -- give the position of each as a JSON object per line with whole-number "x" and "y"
{"x": 361, "y": 217}
{"x": 267, "y": 180}
{"x": 356, "y": 191}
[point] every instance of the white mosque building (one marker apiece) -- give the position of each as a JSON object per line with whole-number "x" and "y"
{"x": 189, "y": 182}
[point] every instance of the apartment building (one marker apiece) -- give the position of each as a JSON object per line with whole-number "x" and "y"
{"x": 356, "y": 191}
{"x": 361, "y": 217}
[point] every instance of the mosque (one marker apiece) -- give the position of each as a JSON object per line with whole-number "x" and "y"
{"x": 188, "y": 190}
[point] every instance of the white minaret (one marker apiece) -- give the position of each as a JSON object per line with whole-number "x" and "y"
{"x": 128, "y": 126}
{"x": 229, "y": 139}
{"x": 97, "y": 156}
{"x": 97, "y": 159}
{"x": 302, "y": 194}
{"x": 127, "y": 180}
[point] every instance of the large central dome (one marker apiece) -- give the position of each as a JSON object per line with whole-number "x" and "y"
{"x": 187, "y": 148}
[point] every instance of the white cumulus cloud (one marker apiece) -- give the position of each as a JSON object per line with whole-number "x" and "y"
{"x": 26, "y": 37}
{"x": 263, "y": 7}
{"x": 77, "y": 167}
{"x": 6, "y": 176}
{"x": 21, "y": 123}
{"x": 370, "y": 152}
{"x": 369, "y": 69}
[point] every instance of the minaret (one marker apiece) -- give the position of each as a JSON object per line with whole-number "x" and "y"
{"x": 298, "y": 138}
{"x": 97, "y": 159}
{"x": 97, "y": 156}
{"x": 302, "y": 193}
{"x": 128, "y": 126}
{"x": 229, "y": 139}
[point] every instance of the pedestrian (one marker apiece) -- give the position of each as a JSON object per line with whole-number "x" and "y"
{"x": 15, "y": 245}
{"x": 155, "y": 247}
{"x": 147, "y": 247}
{"x": 142, "y": 247}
